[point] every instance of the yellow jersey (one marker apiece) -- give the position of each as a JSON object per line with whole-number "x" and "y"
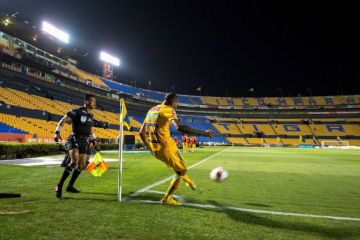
{"x": 157, "y": 126}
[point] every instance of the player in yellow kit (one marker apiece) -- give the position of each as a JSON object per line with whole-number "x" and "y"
{"x": 155, "y": 132}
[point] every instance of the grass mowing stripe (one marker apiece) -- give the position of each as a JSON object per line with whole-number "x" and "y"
{"x": 147, "y": 188}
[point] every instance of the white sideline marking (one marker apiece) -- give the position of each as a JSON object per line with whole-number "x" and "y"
{"x": 42, "y": 161}
{"x": 306, "y": 215}
{"x": 147, "y": 188}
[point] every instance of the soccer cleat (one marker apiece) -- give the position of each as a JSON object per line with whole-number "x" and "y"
{"x": 192, "y": 185}
{"x": 72, "y": 189}
{"x": 58, "y": 191}
{"x": 170, "y": 201}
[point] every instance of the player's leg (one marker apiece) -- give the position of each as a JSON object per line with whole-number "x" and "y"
{"x": 189, "y": 182}
{"x": 74, "y": 155}
{"x": 76, "y": 173}
{"x": 181, "y": 165}
{"x": 177, "y": 163}
{"x": 66, "y": 159}
{"x": 174, "y": 185}
{"x": 83, "y": 153}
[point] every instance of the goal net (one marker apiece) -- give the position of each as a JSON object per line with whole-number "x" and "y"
{"x": 335, "y": 144}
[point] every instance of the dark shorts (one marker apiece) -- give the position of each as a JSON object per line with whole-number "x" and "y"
{"x": 80, "y": 142}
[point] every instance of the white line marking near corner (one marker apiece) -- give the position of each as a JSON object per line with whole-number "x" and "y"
{"x": 147, "y": 188}
{"x": 305, "y": 215}
{"x": 177, "y": 197}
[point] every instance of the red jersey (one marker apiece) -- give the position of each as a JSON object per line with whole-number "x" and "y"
{"x": 193, "y": 140}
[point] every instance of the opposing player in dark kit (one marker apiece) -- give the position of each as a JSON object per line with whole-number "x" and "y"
{"x": 79, "y": 141}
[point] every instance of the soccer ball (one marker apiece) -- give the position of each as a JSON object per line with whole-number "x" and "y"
{"x": 218, "y": 174}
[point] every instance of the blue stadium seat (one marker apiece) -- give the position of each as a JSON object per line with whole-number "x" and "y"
{"x": 201, "y": 123}
{"x": 159, "y": 96}
{"x": 195, "y": 100}
{"x": 185, "y": 99}
{"x": 154, "y": 95}
{"x": 8, "y": 129}
{"x": 122, "y": 87}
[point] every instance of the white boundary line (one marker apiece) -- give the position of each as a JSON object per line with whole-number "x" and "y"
{"x": 306, "y": 215}
{"x": 177, "y": 197}
{"x": 147, "y": 188}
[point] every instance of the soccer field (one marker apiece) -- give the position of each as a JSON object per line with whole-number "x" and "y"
{"x": 271, "y": 193}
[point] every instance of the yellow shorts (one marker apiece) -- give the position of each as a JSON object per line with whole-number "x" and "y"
{"x": 173, "y": 159}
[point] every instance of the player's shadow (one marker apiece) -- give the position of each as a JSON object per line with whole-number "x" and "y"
{"x": 90, "y": 199}
{"x": 258, "y": 205}
{"x": 301, "y": 226}
{"x": 147, "y": 197}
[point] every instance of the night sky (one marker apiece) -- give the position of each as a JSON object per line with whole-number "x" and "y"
{"x": 227, "y": 47}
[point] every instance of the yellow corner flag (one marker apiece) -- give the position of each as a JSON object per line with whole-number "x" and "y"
{"x": 97, "y": 165}
{"x": 124, "y": 121}
{"x": 124, "y": 116}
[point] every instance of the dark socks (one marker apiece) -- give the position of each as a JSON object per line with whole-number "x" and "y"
{"x": 65, "y": 175}
{"x": 74, "y": 176}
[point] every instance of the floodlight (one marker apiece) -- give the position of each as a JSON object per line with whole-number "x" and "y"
{"x": 55, "y": 32}
{"x": 109, "y": 59}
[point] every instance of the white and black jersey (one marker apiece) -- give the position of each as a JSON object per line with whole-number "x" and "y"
{"x": 82, "y": 121}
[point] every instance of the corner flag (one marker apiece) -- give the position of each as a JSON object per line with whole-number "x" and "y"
{"x": 124, "y": 116}
{"x": 124, "y": 121}
{"x": 97, "y": 166}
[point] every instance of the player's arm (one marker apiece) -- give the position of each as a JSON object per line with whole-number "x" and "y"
{"x": 93, "y": 141}
{"x": 189, "y": 130}
{"x": 142, "y": 133}
{"x": 65, "y": 119}
{"x": 100, "y": 124}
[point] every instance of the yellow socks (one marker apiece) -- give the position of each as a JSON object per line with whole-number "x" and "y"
{"x": 189, "y": 182}
{"x": 174, "y": 185}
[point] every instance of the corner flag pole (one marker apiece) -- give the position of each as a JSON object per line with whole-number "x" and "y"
{"x": 120, "y": 150}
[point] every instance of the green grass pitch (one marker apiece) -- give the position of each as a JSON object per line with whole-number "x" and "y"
{"x": 306, "y": 181}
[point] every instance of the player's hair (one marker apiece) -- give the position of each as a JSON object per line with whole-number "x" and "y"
{"x": 88, "y": 96}
{"x": 170, "y": 97}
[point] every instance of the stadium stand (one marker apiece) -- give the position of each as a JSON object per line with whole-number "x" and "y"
{"x": 288, "y": 131}
{"x": 37, "y": 88}
{"x": 286, "y": 101}
{"x": 90, "y": 77}
{"x": 249, "y": 131}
